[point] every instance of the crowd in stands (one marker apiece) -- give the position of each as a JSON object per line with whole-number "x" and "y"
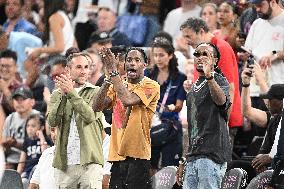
{"x": 59, "y": 65}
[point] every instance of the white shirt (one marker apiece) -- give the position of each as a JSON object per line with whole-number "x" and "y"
{"x": 44, "y": 172}
{"x": 68, "y": 34}
{"x": 264, "y": 37}
{"x": 73, "y": 146}
{"x": 107, "y": 165}
{"x": 273, "y": 150}
{"x": 176, "y": 17}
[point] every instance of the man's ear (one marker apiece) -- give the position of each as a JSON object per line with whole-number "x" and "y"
{"x": 33, "y": 102}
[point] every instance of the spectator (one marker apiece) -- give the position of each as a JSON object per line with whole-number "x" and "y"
{"x": 208, "y": 102}
{"x": 99, "y": 40}
{"x": 247, "y": 18}
{"x": 14, "y": 126}
{"x": 34, "y": 144}
{"x": 209, "y": 15}
{"x": 29, "y": 13}
{"x": 179, "y": 15}
{"x": 37, "y": 82}
{"x": 166, "y": 73}
{"x": 21, "y": 43}
{"x": 133, "y": 109}
{"x": 79, "y": 139}
{"x": 57, "y": 65}
{"x": 106, "y": 21}
{"x": 269, "y": 120}
{"x": 15, "y": 20}
{"x": 277, "y": 177}
{"x": 96, "y": 77}
{"x": 196, "y": 31}
{"x": 9, "y": 80}
{"x": 179, "y": 55}
{"x": 264, "y": 39}
{"x": 43, "y": 176}
{"x": 71, "y": 8}
{"x": 59, "y": 34}
{"x": 228, "y": 22}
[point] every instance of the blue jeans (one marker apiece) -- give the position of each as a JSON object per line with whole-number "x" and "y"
{"x": 203, "y": 173}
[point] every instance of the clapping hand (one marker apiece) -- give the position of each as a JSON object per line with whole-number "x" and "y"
{"x": 64, "y": 83}
{"x": 108, "y": 59}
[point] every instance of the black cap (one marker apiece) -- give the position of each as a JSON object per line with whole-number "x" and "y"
{"x": 24, "y": 92}
{"x": 276, "y": 91}
{"x": 100, "y": 37}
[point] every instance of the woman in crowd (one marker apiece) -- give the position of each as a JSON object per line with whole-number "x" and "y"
{"x": 209, "y": 15}
{"x": 172, "y": 94}
{"x": 227, "y": 19}
{"x": 58, "y": 34}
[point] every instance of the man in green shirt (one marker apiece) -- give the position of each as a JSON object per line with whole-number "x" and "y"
{"x": 78, "y": 156}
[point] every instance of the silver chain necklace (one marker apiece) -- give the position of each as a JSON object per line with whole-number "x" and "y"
{"x": 196, "y": 88}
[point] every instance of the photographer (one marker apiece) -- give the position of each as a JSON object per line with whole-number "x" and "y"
{"x": 259, "y": 117}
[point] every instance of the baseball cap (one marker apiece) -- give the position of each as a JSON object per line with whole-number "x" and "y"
{"x": 255, "y": 1}
{"x": 24, "y": 92}
{"x": 100, "y": 37}
{"x": 276, "y": 91}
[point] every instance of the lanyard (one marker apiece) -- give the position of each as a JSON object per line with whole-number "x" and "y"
{"x": 166, "y": 95}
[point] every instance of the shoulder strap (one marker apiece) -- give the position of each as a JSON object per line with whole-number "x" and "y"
{"x": 165, "y": 98}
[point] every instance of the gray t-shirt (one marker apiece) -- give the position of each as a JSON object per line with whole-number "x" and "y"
{"x": 14, "y": 126}
{"x": 208, "y": 130}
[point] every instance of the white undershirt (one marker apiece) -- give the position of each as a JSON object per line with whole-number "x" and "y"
{"x": 273, "y": 150}
{"x": 73, "y": 146}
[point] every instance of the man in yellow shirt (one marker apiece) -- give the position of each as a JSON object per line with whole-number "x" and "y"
{"x": 134, "y": 102}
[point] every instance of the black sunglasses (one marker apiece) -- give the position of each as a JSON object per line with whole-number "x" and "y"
{"x": 197, "y": 54}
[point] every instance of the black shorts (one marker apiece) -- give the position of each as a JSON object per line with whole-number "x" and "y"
{"x": 130, "y": 174}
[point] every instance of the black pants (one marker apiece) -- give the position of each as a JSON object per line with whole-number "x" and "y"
{"x": 130, "y": 174}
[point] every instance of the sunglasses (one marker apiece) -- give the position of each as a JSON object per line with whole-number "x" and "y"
{"x": 197, "y": 54}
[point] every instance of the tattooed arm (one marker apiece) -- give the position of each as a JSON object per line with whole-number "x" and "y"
{"x": 216, "y": 92}
{"x": 102, "y": 101}
{"x": 126, "y": 97}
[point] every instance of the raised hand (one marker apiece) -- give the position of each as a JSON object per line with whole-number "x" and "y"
{"x": 208, "y": 63}
{"x": 108, "y": 59}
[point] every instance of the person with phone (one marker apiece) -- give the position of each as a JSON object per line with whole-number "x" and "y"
{"x": 265, "y": 119}
{"x": 265, "y": 40}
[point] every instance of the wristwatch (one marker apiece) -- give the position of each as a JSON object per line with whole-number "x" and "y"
{"x": 182, "y": 161}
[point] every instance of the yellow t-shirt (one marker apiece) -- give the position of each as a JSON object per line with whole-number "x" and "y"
{"x": 132, "y": 138}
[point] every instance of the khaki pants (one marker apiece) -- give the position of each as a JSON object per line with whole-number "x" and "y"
{"x": 77, "y": 176}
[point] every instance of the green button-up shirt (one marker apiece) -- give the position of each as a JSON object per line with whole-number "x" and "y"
{"x": 88, "y": 122}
